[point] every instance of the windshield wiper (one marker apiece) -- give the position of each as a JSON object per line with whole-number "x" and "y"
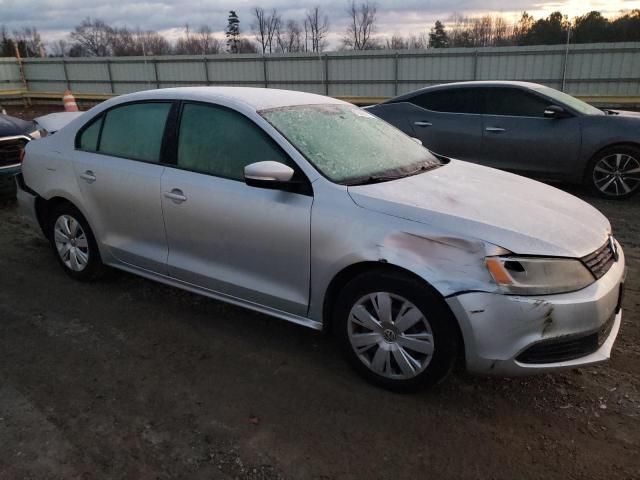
{"x": 387, "y": 178}
{"x": 609, "y": 112}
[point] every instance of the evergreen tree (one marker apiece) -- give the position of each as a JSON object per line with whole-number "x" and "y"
{"x": 438, "y": 37}
{"x": 233, "y": 33}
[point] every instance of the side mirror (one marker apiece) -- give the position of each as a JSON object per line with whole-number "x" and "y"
{"x": 555, "y": 111}
{"x": 417, "y": 140}
{"x": 269, "y": 174}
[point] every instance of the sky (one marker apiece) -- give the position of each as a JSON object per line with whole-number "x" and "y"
{"x": 56, "y": 18}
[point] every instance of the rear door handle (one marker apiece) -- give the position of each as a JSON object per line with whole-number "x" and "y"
{"x": 422, "y": 124}
{"x": 494, "y": 129}
{"x": 88, "y": 176}
{"x": 176, "y": 196}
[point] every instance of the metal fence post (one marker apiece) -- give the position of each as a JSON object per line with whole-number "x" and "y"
{"x": 205, "y": 63}
{"x": 110, "y": 76}
{"x": 395, "y": 75}
{"x": 66, "y": 74}
{"x": 155, "y": 72}
{"x": 264, "y": 71}
{"x": 565, "y": 61}
{"x": 326, "y": 74}
{"x": 476, "y": 54}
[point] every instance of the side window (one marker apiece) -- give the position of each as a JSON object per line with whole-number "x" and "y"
{"x": 514, "y": 102}
{"x": 222, "y": 142}
{"x": 89, "y": 137}
{"x": 134, "y": 131}
{"x": 455, "y": 100}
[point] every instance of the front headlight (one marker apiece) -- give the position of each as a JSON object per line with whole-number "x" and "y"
{"x": 538, "y": 276}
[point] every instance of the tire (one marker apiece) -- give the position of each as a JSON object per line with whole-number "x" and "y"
{"x": 420, "y": 326}
{"x": 73, "y": 243}
{"x": 614, "y": 173}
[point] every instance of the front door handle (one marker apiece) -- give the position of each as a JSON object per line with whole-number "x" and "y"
{"x": 494, "y": 129}
{"x": 88, "y": 176}
{"x": 422, "y": 124}
{"x": 176, "y": 196}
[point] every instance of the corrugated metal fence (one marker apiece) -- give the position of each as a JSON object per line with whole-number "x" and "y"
{"x": 587, "y": 69}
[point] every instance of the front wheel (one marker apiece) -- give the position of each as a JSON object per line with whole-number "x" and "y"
{"x": 395, "y": 331}
{"x": 614, "y": 173}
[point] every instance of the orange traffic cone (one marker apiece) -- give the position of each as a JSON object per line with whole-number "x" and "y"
{"x": 69, "y": 102}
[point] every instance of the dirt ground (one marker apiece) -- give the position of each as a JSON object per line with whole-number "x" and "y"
{"x": 126, "y": 378}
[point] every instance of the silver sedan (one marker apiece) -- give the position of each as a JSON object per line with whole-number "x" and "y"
{"x": 311, "y": 210}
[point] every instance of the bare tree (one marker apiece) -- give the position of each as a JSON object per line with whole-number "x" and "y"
{"x": 289, "y": 37}
{"x": 29, "y": 42}
{"x": 362, "y": 19}
{"x": 93, "y": 37}
{"x": 396, "y": 42}
{"x": 316, "y": 28}
{"x": 209, "y": 45}
{"x": 265, "y": 28}
{"x": 122, "y": 43}
{"x": 153, "y": 43}
{"x": 59, "y": 48}
{"x": 188, "y": 44}
{"x": 246, "y": 46}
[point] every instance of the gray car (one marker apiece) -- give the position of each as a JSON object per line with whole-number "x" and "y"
{"x": 525, "y": 128}
{"x": 314, "y": 211}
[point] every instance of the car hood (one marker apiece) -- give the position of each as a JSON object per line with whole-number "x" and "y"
{"x": 513, "y": 212}
{"x": 55, "y": 121}
{"x": 10, "y": 126}
{"x": 626, "y": 113}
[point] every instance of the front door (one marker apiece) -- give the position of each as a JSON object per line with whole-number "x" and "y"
{"x": 517, "y": 136}
{"x": 245, "y": 242}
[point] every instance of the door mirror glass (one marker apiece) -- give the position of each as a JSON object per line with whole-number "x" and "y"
{"x": 555, "y": 111}
{"x": 268, "y": 174}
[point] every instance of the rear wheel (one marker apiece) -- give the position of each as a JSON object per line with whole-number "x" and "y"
{"x": 615, "y": 172}
{"x": 395, "y": 331}
{"x": 73, "y": 243}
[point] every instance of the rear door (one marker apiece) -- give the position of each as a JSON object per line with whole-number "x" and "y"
{"x": 518, "y": 137}
{"x": 448, "y": 121}
{"x": 245, "y": 242}
{"x": 116, "y": 162}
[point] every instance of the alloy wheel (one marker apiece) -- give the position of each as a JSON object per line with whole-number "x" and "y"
{"x": 71, "y": 243}
{"x": 390, "y": 335}
{"x": 617, "y": 174}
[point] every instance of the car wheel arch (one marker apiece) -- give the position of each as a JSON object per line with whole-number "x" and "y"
{"x": 602, "y": 148}
{"x": 44, "y": 206}
{"x": 347, "y": 274}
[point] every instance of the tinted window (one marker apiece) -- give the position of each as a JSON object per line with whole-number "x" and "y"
{"x": 135, "y": 131}
{"x": 456, "y": 100}
{"x": 514, "y": 102}
{"x": 222, "y": 142}
{"x": 89, "y": 136}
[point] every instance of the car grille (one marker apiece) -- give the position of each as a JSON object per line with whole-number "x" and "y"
{"x": 10, "y": 150}
{"x": 569, "y": 348}
{"x": 600, "y": 261}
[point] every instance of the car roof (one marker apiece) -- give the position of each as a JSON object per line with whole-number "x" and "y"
{"x": 251, "y": 97}
{"x": 478, "y": 83}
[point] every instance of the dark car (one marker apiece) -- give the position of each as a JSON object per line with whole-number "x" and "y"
{"x": 525, "y": 128}
{"x": 14, "y": 135}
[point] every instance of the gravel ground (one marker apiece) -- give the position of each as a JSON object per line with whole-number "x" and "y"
{"x": 126, "y": 378}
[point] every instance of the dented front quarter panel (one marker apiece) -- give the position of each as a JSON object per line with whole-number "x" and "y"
{"x": 344, "y": 234}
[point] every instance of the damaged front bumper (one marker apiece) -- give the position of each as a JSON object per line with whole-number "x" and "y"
{"x": 522, "y": 335}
